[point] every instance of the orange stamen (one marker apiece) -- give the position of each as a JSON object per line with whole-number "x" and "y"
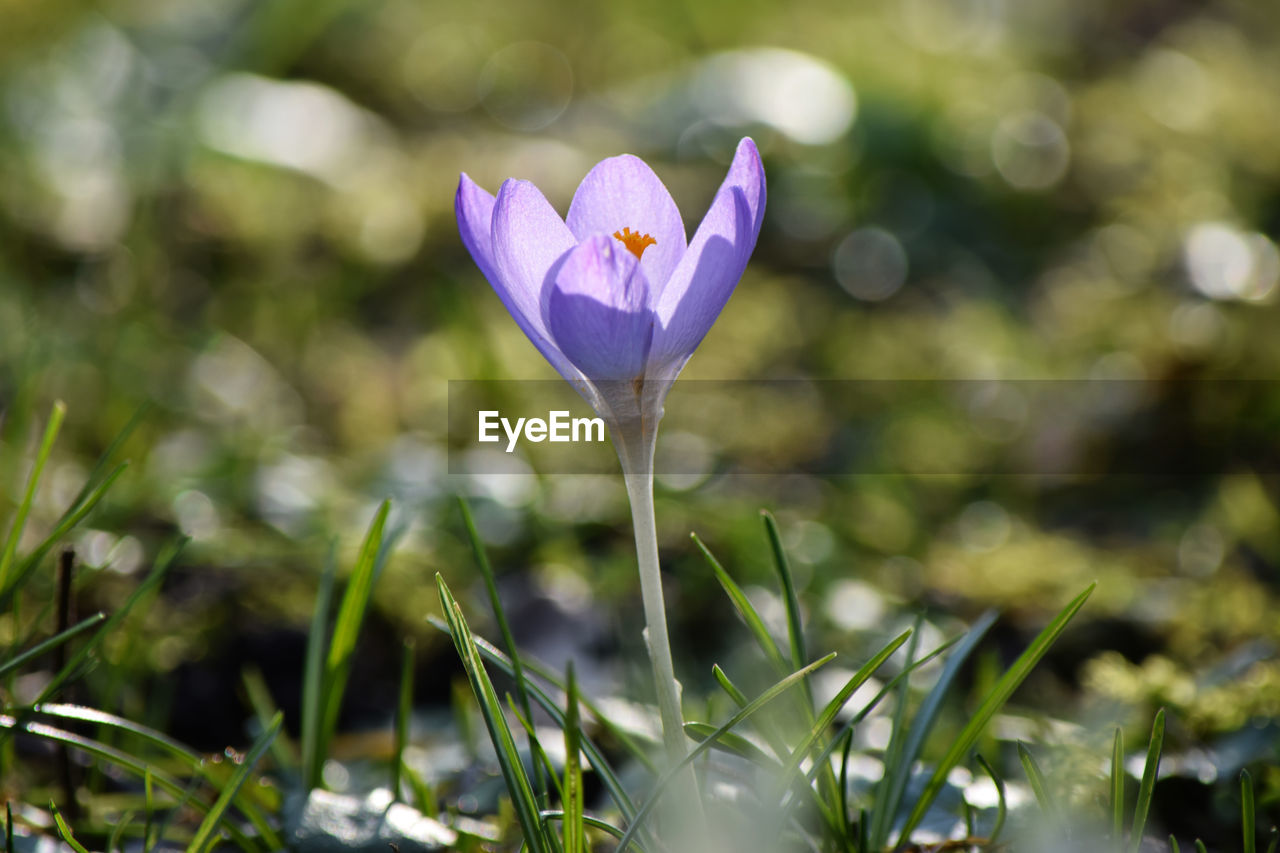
{"x": 635, "y": 242}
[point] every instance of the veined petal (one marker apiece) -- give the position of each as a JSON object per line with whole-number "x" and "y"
{"x": 528, "y": 238}
{"x": 707, "y": 274}
{"x": 623, "y": 192}
{"x": 598, "y": 311}
{"x": 473, "y": 205}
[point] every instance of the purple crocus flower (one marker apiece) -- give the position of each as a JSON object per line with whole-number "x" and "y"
{"x": 617, "y": 300}
{"x": 613, "y": 296}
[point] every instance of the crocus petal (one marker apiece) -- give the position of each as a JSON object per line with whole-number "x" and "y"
{"x": 473, "y": 206}
{"x": 707, "y": 274}
{"x": 598, "y": 311}
{"x": 623, "y": 192}
{"x": 528, "y": 239}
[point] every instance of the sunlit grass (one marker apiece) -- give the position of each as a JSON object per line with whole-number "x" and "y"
{"x": 800, "y": 787}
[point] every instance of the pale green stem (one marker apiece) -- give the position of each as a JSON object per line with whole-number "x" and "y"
{"x": 636, "y": 452}
{"x": 637, "y": 465}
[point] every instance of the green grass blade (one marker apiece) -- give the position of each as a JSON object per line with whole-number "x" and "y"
{"x": 51, "y": 643}
{"x": 633, "y": 749}
{"x": 819, "y": 728}
{"x": 795, "y": 626}
{"x": 1248, "y": 816}
{"x": 113, "y": 840}
{"x": 206, "y": 833}
{"x": 19, "y": 522}
{"x": 69, "y": 519}
{"x": 161, "y": 830}
{"x": 593, "y": 822}
{"x": 745, "y": 713}
{"x": 896, "y": 770}
{"x": 732, "y": 744}
{"x": 117, "y": 757}
{"x": 82, "y": 505}
{"x": 531, "y": 665}
{"x": 539, "y": 754}
{"x": 65, "y": 831}
{"x": 884, "y": 691}
{"x": 739, "y": 698}
{"x": 628, "y": 743}
{"x": 1173, "y": 845}
{"x": 799, "y": 656}
{"x": 521, "y": 792}
{"x": 575, "y": 838}
{"x": 775, "y": 738}
{"x": 898, "y": 773}
{"x": 846, "y": 733}
{"x": 833, "y": 707}
{"x": 1146, "y": 788}
{"x": 1117, "y": 790}
{"x": 508, "y": 639}
{"x": 755, "y": 625}
{"x": 346, "y": 629}
{"x": 1036, "y": 778}
{"x": 1200, "y": 848}
{"x": 1275, "y": 839}
{"x": 424, "y": 796}
{"x": 404, "y": 709}
{"x": 192, "y": 762}
{"x": 149, "y": 799}
{"x": 595, "y": 757}
{"x": 795, "y": 633}
{"x": 746, "y": 611}
{"x": 96, "y": 474}
{"x": 264, "y": 710}
{"x": 95, "y": 487}
{"x": 1002, "y": 807}
{"x": 843, "y": 780}
{"x": 999, "y": 694}
{"x": 313, "y": 676}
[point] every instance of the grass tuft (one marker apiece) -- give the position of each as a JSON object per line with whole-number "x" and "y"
{"x": 522, "y": 796}
{"x": 994, "y": 700}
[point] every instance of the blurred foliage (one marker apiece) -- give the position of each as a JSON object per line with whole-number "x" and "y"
{"x": 241, "y": 213}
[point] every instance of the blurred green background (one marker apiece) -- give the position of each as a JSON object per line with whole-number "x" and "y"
{"x": 242, "y": 214}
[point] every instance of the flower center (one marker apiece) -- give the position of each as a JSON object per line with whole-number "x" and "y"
{"x": 635, "y": 242}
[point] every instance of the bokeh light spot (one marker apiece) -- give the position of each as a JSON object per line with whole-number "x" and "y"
{"x": 1030, "y": 151}
{"x": 1174, "y": 89}
{"x": 1226, "y": 263}
{"x": 803, "y": 97}
{"x": 870, "y": 264}
{"x": 526, "y": 85}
